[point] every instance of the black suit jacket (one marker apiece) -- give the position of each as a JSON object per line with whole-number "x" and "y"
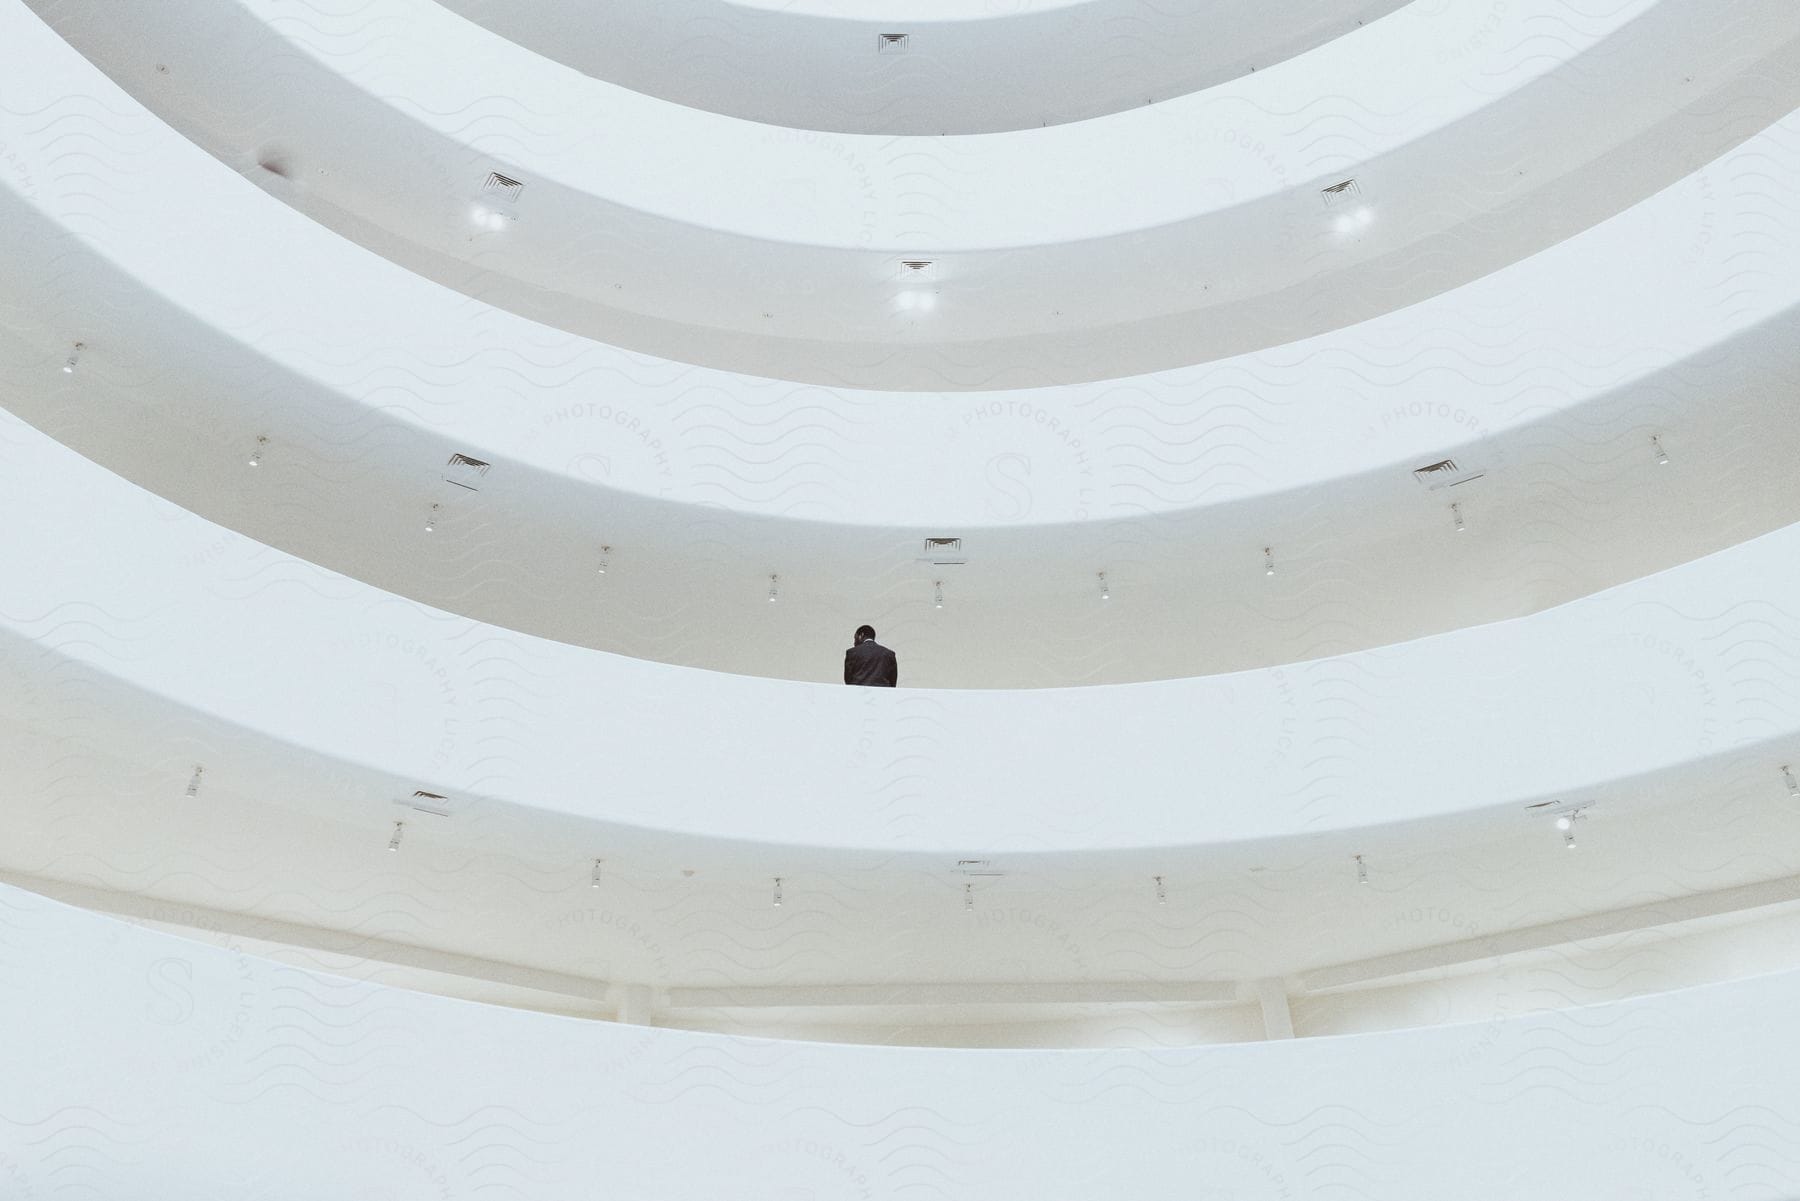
{"x": 871, "y": 664}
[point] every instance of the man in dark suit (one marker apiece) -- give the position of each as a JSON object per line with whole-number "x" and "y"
{"x": 869, "y": 663}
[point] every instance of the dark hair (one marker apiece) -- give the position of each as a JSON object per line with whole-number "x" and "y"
{"x": 864, "y": 632}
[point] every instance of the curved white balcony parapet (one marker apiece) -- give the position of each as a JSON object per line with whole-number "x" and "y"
{"x": 1632, "y": 695}
{"x": 1551, "y": 376}
{"x": 939, "y": 68}
{"x": 1162, "y": 236}
{"x": 162, "y": 1067}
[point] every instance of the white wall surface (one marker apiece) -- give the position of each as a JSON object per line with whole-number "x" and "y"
{"x": 144, "y": 1066}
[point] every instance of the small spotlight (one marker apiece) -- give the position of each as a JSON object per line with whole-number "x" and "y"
{"x": 1569, "y": 841}
{"x": 1162, "y": 894}
{"x": 1565, "y": 822}
{"x": 1105, "y": 592}
{"x": 1362, "y": 870}
{"x": 193, "y": 785}
{"x": 778, "y": 892}
{"x": 594, "y": 876}
{"x": 774, "y": 583}
{"x": 1268, "y": 561}
{"x": 394, "y": 842}
{"x": 1344, "y": 223}
{"x": 1787, "y": 776}
{"x": 1365, "y": 215}
{"x": 968, "y": 897}
{"x": 1456, "y": 512}
{"x": 74, "y": 358}
{"x": 938, "y": 594}
{"x": 256, "y": 455}
{"x": 431, "y": 518}
{"x": 1662, "y": 456}
{"x": 605, "y": 553}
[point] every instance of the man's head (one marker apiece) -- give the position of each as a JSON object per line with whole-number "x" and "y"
{"x": 865, "y": 634}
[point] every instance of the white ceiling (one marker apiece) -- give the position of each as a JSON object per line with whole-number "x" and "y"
{"x": 965, "y": 68}
{"x": 1536, "y": 308}
{"x": 1170, "y": 243}
{"x": 703, "y": 488}
{"x": 285, "y": 843}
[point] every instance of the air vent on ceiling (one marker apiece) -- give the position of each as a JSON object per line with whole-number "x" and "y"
{"x": 466, "y": 472}
{"x": 1445, "y": 473}
{"x": 917, "y": 269}
{"x": 892, "y": 43}
{"x": 1343, "y": 192}
{"x": 977, "y": 867}
{"x": 943, "y": 552}
{"x": 501, "y": 187}
{"x": 427, "y": 802}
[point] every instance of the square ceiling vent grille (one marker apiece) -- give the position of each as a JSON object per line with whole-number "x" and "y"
{"x": 943, "y": 552}
{"x": 466, "y": 472}
{"x": 1445, "y": 473}
{"x": 1345, "y": 191}
{"x": 501, "y": 187}
{"x": 421, "y": 801}
{"x": 892, "y": 43}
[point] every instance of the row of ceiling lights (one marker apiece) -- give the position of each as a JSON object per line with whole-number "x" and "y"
{"x": 1458, "y": 523}
{"x": 1567, "y": 819}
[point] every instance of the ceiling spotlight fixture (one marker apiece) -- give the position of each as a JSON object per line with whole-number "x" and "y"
{"x": 1162, "y": 894}
{"x": 968, "y": 896}
{"x": 778, "y": 892}
{"x": 917, "y": 299}
{"x": 594, "y": 876}
{"x": 256, "y": 455}
{"x": 431, "y": 518}
{"x": 605, "y": 553}
{"x": 1268, "y": 561}
{"x": 487, "y": 218}
{"x": 193, "y": 788}
{"x": 1662, "y": 456}
{"x": 1362, "y": 870}
{"x": 1787, "y": 776}
{"x": 1568, "y": 821}
{"x": 1105, "y": 592}
{"x": 394, "y": 842}
{"x": 937, "y": 594}
{"x": 774, "y": 582}
{"x": 74, "y": 357}
{"x": 1456, "y": 512}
